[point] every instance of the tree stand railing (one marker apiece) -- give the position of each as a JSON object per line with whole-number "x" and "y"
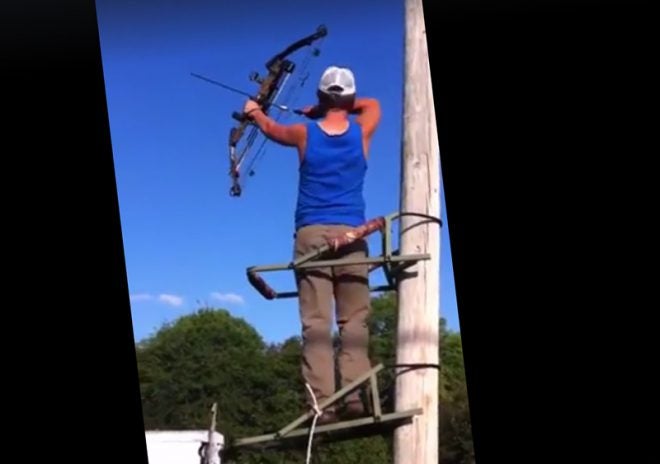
{"x": 392, "y": 262}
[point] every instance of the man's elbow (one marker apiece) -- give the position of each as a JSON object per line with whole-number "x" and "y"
{"x": 372, "y": 106}
{"x": 270, "y": 129}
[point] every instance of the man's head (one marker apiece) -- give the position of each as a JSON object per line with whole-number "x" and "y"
{"x": 337, "y": 88}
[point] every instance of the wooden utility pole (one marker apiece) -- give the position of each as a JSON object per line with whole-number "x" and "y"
{"x": 419, "y": 296}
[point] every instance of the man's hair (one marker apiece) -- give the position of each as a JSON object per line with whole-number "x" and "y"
{"x": 336, "y": 88}
{"x": 329, "y": 101}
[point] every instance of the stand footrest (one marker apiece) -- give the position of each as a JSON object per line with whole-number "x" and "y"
{"x": 338, "y": 431}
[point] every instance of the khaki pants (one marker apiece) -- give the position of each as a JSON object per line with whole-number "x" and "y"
{"x": 349, "y": 285}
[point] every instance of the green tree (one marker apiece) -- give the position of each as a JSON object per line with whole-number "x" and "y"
{"x": 209, "y": 357}
{"x": 455, "y": 439}
{"x": 202, "y": 358}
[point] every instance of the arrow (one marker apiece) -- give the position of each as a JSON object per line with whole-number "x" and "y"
{"x": 235, "y": 90}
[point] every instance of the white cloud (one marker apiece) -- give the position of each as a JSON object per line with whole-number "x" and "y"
{"x": 172, "y": 300}
{"x": 228, "y": 297}
{"x": 141, "y": 297}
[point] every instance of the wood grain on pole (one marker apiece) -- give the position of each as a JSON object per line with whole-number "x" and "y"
{"x": 419, "y": 296}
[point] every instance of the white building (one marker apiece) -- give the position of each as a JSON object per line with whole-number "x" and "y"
{"x": 178, "y": 447}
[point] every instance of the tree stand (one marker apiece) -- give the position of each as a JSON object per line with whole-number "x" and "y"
{"x": 293, "y": 435}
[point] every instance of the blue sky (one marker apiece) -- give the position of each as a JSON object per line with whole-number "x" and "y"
{"x": 187, "y": 242}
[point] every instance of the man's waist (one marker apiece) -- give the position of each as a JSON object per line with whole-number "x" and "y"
{"x": 353, "y": 217}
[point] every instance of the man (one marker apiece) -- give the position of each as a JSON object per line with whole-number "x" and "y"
{"x": 333, "y": 153}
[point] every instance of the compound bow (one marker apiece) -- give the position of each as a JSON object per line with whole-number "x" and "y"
{"x": 270, "y": 87}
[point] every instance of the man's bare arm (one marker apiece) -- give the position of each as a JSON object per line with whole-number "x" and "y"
{"x": 288, "y": 135}
{"x": 368, "y": 111}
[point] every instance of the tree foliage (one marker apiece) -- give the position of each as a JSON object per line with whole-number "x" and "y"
{"x": 211, "y": 356}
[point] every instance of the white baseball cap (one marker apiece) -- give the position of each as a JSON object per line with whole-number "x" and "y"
{"x": 338, "y": 81}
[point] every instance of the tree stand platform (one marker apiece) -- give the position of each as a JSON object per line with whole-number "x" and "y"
{"x": 293, "y": 436}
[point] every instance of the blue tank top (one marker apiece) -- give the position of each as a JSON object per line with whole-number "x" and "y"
{"x": 332, "y": 178}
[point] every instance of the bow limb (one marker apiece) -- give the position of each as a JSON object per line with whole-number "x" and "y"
{"x": 236, "y": 160}
{"x": 321, "y": 32}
